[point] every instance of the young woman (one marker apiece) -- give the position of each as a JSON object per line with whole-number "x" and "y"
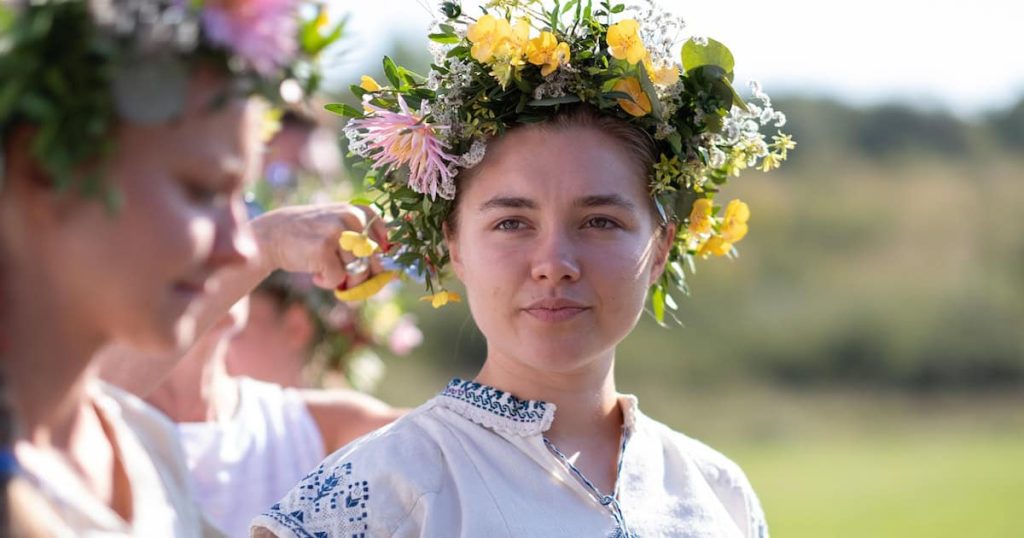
{"x": 175, "y": 142}
{"x": 597, "y": 181}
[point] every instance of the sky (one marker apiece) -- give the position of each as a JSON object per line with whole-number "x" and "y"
{"x": 967, "y": 57}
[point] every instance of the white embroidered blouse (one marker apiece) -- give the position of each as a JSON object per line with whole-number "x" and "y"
{"x": 474, "y": 462}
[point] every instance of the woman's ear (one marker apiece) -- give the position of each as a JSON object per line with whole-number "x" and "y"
{"x": 24, "y": 176}
{"x": 663, "y": 242}
{"x": 452, "y": 243}
{"x": 20, "y": 166}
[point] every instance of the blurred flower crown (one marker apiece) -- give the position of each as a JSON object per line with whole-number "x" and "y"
{"x": 74, "y": 68}
{"x": 520, "y": 62}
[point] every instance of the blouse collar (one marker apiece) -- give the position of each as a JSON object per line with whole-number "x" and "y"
{"x": 502, "y": 411}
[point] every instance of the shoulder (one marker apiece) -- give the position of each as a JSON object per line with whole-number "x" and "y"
{"x": 342, "y": 415}
{"x": 371, "y": 486}
{"x": 722, "y": 474}
{"x": 153, "y": 430}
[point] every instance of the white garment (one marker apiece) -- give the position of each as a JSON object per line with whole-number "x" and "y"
{"x": 472, "y": 462}
{"x": 148, "y": 448}
{"x": 242, "y": 465}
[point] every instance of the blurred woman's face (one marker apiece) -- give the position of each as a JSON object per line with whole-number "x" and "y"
{"x": 142, "y": 273}
{"x": 556, "y": 245}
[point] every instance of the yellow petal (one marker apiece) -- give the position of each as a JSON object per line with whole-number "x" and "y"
{"x": 357, "y": 244}
{"x": 641, "y": 104}
{"x": 366, "y": 289}
{"x": 442, "y": 298}
{"x": 715, "y": 245}
{"x": 367, "y": 83}
{"x": 700, "y": 216}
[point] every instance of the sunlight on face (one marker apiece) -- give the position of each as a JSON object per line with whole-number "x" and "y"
{"x": 557, "y": 246}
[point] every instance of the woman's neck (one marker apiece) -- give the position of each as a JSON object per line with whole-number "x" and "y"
{"x": 588, "y": 422}
{"x": 46, "y": 361}
{"x": 586, "y": 400}
{"x": 199, "y": 388}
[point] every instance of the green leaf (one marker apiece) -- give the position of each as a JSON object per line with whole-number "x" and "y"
{"x": 343, "y": 109}
{"x": 552, "y": 101}
{"x": 714, "y": 53}
{"x": 652, "y": 94}
{"x": 614, "y": 96}
{"x": 658, "y": 303}
{"x": 676, "y": 142}
{"x": 447, "y": 39}
{"x": 391, "y": 72}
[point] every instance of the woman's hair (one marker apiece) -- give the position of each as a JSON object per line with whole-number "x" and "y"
{"x": 637, "y": 143}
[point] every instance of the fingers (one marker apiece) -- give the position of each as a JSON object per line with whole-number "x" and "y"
{"x": 378, "y": 230}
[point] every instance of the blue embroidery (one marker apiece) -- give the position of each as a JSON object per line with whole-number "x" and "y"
{"x": 322, "y": 491}
{"x": 496, "y": 401}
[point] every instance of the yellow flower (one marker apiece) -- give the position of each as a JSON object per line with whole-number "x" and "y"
{"x": 367, "y": 83}
{"x": 545, "y": 50}
{"x": 624, "y": 41}
{"x": 714, "y": 245}
{"x": 734, "y": 224}
{"x": 442, "y": 298}
{"x": 486, "y": 34}
{"x": 770, "y": 162}
{"x": 504, "y": 67}
{"x": 366, "y": 289}
{"x": 641, "y": 104}
{"x": 783, "y": 143}
{"x": 700, "y": 216}
{"x": 357, "y": 243}
{"x": 665, "y": 75}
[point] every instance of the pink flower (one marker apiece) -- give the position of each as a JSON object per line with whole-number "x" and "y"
{"x": 261, "y": 32}
{"x": 405, "y": 336}
{"x": 396, "y": 139}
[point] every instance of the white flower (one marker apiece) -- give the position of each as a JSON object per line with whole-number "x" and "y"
{"x": 699, "y": 41}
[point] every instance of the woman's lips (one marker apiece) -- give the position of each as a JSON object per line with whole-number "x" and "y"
{"x": 190, "y": 289}
{"x": 555, "y": 309}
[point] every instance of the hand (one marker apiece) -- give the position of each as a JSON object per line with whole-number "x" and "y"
{"x": 304, "y": 239}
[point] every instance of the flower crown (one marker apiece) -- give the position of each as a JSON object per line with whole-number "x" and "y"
{"x": 522, "y": 61}
{"x": 73, "y": 68}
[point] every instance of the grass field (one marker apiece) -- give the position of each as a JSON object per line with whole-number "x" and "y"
{"x": 945, "y": 484}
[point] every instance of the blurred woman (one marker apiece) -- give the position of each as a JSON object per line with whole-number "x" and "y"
{"x": 162, "y": 128}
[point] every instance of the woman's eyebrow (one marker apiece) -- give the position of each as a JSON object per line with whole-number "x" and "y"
{"x": 506, "y": 202}
{"x": 601, "y": 200}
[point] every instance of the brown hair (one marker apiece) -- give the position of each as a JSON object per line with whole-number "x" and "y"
{"x": 638, "y": 144}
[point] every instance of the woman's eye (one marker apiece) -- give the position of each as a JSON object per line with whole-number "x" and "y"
{"x": 509, "y": 225}
{"x": 201, "y": 195}
{"x": 601, "y": 223}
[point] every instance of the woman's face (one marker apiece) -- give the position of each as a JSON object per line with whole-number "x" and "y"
{"x": 556, "y": 245}
{"x": 141, "y": 274}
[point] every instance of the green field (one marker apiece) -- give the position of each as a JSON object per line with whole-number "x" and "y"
{"x": 896, "y": 486}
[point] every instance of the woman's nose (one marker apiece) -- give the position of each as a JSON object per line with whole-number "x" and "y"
{"x": 234, "y": 243}
{"x": 555, "y": 259}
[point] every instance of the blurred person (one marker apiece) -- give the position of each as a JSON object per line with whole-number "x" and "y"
{"x": 234, "y": 428}
{"x": 298, "y": 335}
{"x": 140, "y": 107}
{"x": 567, "y": 183}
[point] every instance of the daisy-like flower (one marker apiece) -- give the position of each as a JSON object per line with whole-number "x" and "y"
{"x": 261, "y": 32}
{"x": 396, "y": 139}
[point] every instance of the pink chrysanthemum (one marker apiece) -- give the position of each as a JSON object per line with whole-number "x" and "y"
{"x": 396, "y": 139}
{"x": 261, "y": 32}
